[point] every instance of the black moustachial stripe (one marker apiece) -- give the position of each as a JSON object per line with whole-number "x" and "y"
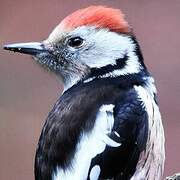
{"x": 120, "y": 63}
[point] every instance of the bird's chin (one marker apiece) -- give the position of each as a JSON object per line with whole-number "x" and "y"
{"x": 48, "y": 62}
{"x": 65, "y": 72}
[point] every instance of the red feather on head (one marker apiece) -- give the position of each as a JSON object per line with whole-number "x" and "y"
{"x": 98, "y": 16}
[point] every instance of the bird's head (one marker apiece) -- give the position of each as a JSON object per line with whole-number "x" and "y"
{"x": 91, "y": 42}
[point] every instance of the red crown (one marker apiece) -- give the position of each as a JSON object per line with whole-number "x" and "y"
{"x": 98, "y": 16}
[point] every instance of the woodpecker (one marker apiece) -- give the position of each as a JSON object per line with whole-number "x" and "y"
{"x": 106, "y": 124}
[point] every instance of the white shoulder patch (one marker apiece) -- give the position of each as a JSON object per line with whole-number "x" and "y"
{"x": 89, "y": 146}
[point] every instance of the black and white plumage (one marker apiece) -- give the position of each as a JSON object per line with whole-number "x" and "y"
{"x": 106, "y": 124}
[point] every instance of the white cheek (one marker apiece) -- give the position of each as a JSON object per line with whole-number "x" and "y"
{"x": 106, "y": 47}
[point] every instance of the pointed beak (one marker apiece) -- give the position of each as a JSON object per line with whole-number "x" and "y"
{"x": 31, "y": 48}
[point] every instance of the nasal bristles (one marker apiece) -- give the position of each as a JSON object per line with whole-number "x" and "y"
{"x": 98, "y": 16}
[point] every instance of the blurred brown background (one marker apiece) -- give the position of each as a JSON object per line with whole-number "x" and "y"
{"x": 27, "y": 92}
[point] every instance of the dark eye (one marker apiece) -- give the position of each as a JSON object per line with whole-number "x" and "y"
{"x": 75, "y": 42}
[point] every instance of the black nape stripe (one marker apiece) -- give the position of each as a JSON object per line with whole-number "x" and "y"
{"x": 138, "y": 51}
{"x": 120, "y": 63}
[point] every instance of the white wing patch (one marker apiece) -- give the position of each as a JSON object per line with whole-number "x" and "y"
{"x": 89, "y": 146}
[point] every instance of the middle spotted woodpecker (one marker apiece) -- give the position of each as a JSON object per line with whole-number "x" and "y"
{"x": 106, "y": 124}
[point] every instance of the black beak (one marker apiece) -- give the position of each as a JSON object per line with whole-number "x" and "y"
{"x": 31, "y": 48}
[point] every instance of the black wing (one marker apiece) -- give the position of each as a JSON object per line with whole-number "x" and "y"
{"x": 131, "y": 130}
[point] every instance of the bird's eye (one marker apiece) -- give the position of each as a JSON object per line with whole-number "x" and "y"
{"x": 75, "y": 42}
